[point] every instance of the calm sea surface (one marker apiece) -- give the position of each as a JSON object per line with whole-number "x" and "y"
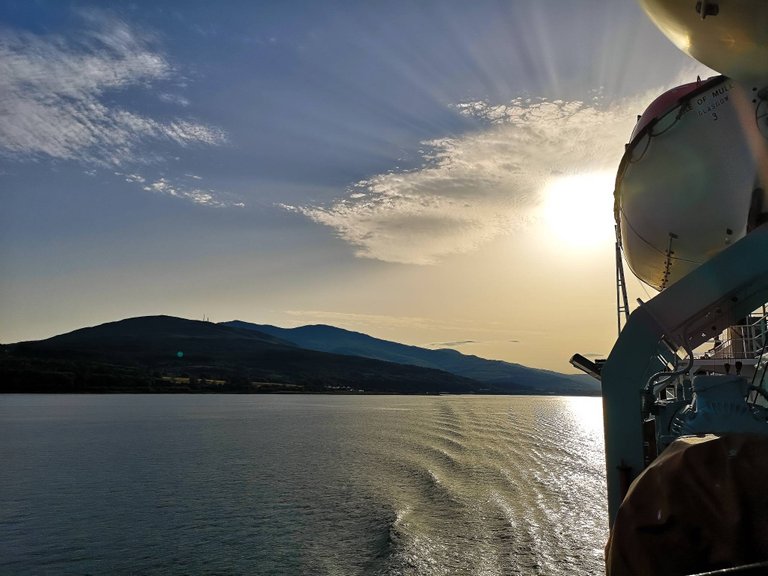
{"x": 336, "y": 485}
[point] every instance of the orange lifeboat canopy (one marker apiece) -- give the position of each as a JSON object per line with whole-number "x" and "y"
{"x": 663, "y": 105}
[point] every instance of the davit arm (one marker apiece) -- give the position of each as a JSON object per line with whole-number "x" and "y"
{"x": 689, "y": 312}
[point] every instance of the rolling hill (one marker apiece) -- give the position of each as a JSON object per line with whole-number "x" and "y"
{"x": 506, "y": 376}
{"x": 167, "y": 354}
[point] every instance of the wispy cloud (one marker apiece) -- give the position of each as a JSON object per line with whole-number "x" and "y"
{"x": 453, "y": 344}
{"x": 186, "y": 187}
{"x": 206, "y": 197}
{"x": 484, "y": 342}
{"x": 53, "y": 96}
{"x": 477, "y": 186}
{"x": 174, "y": 99}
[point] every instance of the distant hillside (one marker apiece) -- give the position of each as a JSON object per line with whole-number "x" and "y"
{"x": 511, "y": 378}
{"x": 167, "y": 354}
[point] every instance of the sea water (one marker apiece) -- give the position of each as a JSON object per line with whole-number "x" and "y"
{"x": 300, "y": 484}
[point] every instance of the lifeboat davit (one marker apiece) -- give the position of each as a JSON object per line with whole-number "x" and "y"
{"x": 693, "y": 177}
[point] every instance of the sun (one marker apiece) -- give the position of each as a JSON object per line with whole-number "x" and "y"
{"x": 578, "y": 210}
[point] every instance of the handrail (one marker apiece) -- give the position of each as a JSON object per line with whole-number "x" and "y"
{"x": 756, "y": 568}
{"x": 751, "y": 337}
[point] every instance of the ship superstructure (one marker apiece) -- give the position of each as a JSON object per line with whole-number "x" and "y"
{"x": 691, "y": 209}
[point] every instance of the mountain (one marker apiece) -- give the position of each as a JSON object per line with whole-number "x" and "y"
{"x": 509, "y": 377}
{"x": 167, "y": 354}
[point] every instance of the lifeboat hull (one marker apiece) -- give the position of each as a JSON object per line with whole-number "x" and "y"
{"x": 693, "y": 178}
{"x": 727, "y": 35}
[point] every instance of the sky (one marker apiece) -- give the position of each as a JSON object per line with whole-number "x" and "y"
{"x": 438, "y": 173}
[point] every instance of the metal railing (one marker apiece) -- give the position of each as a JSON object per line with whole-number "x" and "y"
{"x": 745, "y": 341}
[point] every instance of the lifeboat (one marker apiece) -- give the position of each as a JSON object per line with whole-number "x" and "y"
{"x": 693, "y": 178}
{"x": 727, "y": 35}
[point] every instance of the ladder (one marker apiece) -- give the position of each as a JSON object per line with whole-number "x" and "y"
{"x": 622, "y": 304}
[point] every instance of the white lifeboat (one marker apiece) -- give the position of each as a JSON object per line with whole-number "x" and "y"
{"x": 727, "y": 35}
{"x": 693, "y": 178}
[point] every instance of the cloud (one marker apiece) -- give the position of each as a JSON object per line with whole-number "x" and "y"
{"x": 53, "y": 96}
{"x": 174, "y": 99}
{"x": 477, "y": 186}
{"x": 459, "y": 343}
{"x": 452, "y": 344}
{"x": 186, "y": 187}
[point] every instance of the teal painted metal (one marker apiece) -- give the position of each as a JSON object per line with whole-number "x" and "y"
{"x": 714, "y": 296}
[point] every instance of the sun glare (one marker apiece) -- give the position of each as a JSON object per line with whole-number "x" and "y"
{"x": 578, "y": 210}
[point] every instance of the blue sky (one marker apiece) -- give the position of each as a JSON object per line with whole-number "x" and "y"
{"x": 380, "y": 166}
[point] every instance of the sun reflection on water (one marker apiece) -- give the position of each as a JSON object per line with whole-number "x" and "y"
{"x": 587, "y": 412}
